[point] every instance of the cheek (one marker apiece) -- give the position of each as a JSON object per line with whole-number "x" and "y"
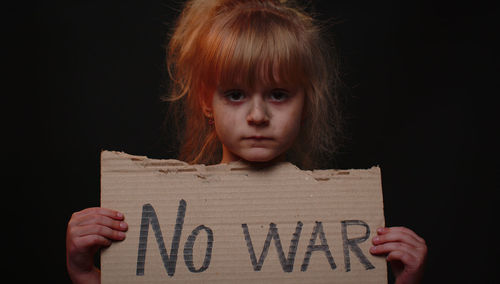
{"x": 291, "y": 122}
{"x": 224, "y": 126}
{"x": 221, "y": 129}
{"x": 294, "y": 128}
{"x": 288, "y": 129}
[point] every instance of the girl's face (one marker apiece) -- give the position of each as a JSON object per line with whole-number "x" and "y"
{"x": 257, "y": 124}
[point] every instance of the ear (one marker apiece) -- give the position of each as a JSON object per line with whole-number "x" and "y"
{"x": 207, "y": 109}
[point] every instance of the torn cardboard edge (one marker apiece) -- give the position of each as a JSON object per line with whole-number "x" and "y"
{"x": 173, "y": 165}
{"x": 221, "y": 223}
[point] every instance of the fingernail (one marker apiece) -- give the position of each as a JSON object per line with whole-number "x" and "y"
{"x": 119, "y": 214}
{"x": 376, "y": 239}
{"x": 121, "y": 235}
{"x": 373, "y": 249}
{"x": 380, "y": 230}
{"x": 123, "y": 225}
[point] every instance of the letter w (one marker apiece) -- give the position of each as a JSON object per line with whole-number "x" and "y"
{"x": 286, "y": 263}
{"x": 149, "y": 216}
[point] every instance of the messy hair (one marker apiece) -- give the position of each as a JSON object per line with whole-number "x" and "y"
{"x": 225, "y": 41}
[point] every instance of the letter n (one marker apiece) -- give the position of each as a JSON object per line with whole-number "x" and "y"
{"x": 149, "y": 217}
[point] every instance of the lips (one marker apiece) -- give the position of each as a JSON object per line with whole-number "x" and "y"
{"x": 257, "y": 138}
{"x": 258, "y": 141}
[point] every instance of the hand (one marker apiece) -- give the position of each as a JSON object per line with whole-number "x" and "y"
{"x": 89, "y": 230}
{"x": 405, "y": 251}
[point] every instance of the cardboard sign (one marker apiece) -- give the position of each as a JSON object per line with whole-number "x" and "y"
{"x": 237, "y": 223}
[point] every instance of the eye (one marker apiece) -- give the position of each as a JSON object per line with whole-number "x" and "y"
{"x": 234, "y": 95}
{"x": 279, "y": 95}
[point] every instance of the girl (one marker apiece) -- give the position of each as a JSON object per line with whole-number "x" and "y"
{"x": 253, "y": 81}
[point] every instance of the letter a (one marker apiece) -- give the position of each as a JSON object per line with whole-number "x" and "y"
{"x": 323, "y": 247}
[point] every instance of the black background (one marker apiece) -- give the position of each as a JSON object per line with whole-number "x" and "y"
{"x": 86, "y": 76}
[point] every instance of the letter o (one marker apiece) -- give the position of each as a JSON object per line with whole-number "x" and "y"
{"x": 188, "y": 249}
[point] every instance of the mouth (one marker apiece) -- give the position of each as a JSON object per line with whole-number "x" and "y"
{"x": 257, "y": 138}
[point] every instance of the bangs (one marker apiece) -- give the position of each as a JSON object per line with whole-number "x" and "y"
{"x": 252, "y": 45}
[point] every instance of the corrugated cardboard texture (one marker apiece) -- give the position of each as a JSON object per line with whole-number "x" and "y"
{"x": 219, "y": 216}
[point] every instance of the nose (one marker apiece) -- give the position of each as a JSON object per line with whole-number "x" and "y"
{"x": 258, "y": 114}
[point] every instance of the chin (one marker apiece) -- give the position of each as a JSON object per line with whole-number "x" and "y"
{"x": 260, "y": 156}
{"x": 258, "y": 159}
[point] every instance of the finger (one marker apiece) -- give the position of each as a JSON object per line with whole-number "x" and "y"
{"x": 408, "y": 260}
{"x": 387, "y": 248}
{"x": 99, "y": 230}
{"x": 103, "y": 220}
{"x": 403, "y": 230}
{"x": 99, "y": 211}
{"x": 85, "y": 243}
{"x": 396, "y": 236}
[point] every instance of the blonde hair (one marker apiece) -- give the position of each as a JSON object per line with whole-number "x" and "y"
{"x": 220, "y": 41}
